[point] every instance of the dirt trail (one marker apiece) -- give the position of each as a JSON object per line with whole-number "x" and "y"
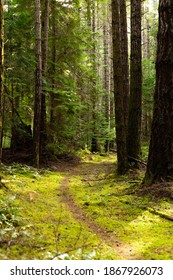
{"x": 123, "y": 250}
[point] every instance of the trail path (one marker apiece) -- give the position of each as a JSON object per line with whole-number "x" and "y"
{"x": 89, "y": 170}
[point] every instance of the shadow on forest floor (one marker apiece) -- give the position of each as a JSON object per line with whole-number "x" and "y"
{"x": 157, "y": 191}
{"x": 82, "y": 210}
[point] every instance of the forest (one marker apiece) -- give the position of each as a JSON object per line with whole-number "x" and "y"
{"x": 86, "y": 129}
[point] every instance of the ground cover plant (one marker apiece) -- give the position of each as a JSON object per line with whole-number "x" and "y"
{"x": 83, "y": 210}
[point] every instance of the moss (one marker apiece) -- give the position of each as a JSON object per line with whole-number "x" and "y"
{"x": 47, "y": 229}
{"x": 124, "y": 213}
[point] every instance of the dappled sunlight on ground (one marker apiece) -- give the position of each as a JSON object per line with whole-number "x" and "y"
{"x": 83, "y": 210}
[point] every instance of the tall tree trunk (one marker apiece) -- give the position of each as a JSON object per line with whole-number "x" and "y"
{"x": 94, "y": 97}
{"x": 45, "y": 32}
{"x": 106, "y": 70}
{"x": 160, "y": 161}
{"x": 124, "y": 57}
{"x": 118, "y": 90}
{"x": 135, "y": 104}
{"x": 38, "y": 84}
{"x": 53, "y": 102}
{"x": 89, "y": 101}
{"x": 92, "y": 118}
{"x": 1, "y": 71}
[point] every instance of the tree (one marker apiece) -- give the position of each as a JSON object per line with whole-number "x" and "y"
{"x": 38, "y": 84}
{"x": 1, "y": 71}
{"x": 75, "y": 74}
{"x": 135, "y": 103}
{"x": 118, "y": 90}
{"x": 18, "y": 75}
{"x": 45, "y": 35}
{"x": 160, "y": 160}
{"x": 53, "y": 71}
{"x": 94, "y": 94}
{"x": 125, "y": 58}
{"x": 107, "y": 73}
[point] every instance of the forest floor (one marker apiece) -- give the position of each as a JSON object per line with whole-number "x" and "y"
{"x": 83, "y": 210}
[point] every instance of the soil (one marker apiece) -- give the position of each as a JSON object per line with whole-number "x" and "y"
{"x": 108, "y": 237}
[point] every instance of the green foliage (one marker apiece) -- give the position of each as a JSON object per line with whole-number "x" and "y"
{"x": 8, "y": 212}
{"x": 9, "y": 218}
{"x": 55, "y": 149}
{"x": 144, "y": 152}
{"x": 19, "y": 62}
{"x": 148, "y": 83}
{"x": 72, "y": 77}
{"x": 148, "y": 88}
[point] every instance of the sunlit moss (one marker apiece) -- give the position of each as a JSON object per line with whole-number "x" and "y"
{"x": 126, "y": 215}
{"x": 47, "y": 228}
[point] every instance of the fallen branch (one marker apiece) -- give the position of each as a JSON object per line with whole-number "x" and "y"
{"x": 131, "y": 158}
{"x": 162, "y": 215}
{"x": 137, "y": 160}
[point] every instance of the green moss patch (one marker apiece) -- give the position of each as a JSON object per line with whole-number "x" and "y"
{"x": 85, "y": 212}
{"x": 45, "y": 228}
{"x": 114, "y": 204}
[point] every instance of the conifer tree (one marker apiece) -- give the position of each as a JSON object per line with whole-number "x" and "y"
{"x": 160, "y": 160}
{"x": 118, "y": 90}
{"x": 38, "y": 84}
{"x": 135, "y": 102}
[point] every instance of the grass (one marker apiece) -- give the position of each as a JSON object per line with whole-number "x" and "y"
{"x": 127, "y": 215}
{"x": 45, "y": 228}
{"x": 36, "y": 224}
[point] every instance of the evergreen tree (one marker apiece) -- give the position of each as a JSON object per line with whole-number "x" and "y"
{"x": 135, "y": 103}
{"x": 45, "y": 39}
{"x": 125, "y": 59}
{"x": 160, "y": 160}
{"x": 38, "y": 84}
{"x": 118, "y": 90}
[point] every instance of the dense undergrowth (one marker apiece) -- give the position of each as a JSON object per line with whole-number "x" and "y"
{"x": 36, "y": 223}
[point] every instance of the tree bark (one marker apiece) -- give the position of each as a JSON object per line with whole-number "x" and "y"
{"x": 45, "y": 33}
{"x": 106, "y": 70}
{"x": 160, "y": 160}
{"x": 94, "y": 96}
{"x": 38, "y": 84}
{"x": 118, "y": 90}
{"x": 125, "y": 59}
{"x": 53, "y": 70}
{"x": 135, "y": 103}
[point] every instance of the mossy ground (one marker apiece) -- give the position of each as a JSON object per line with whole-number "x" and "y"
{"x": 36, "y": 223}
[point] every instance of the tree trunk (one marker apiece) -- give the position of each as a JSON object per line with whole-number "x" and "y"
{"x": 38, "y": 84}
{"x": 53, "y": 101}
{"x": 94, "y": 97}
{"x": 106, "y": 71}
{"x": 118, "y": 91}
{"x": 135, "y": 104}
{"x": 160, "y": 161}
{"x": 125, "y": 64}
{"x": 1, "y": 71}
{"x": 45, "y": 30}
